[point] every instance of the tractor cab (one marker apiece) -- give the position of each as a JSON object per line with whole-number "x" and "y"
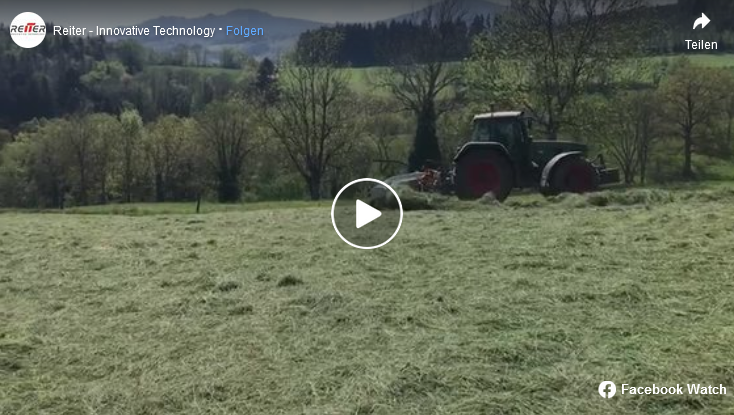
{"x": 507, "y": 128}
{"x": 510, "y": 129}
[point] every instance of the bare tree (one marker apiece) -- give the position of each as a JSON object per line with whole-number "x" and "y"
{"x": 621, "y": 136}
{"x": 693, "y": 97}
{"x": 227, "y": 139}
{"x": 544, "y": 54}
{"x": 626, "y": 125}
{"x": 728, "y": 144}
{"x": 80, "y": 143}
{"x": 198, "y": 51}
{"x": 51, "y": 160}
{"x": 385, "y": 127}
{"x": 170, "y": 152}
{"x": 106, "y": 129}
{"x": 424, "y": 81}
{"x": 647, "y": 114}
{"x": 131, "y": 138}
{"x": 314, "y": 117}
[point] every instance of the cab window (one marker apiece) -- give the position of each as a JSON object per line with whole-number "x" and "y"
{"x": 498, "y": 130}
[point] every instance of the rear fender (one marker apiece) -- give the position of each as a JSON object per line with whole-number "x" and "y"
{"x": 545, "y": 178}
{"x": 474, "y": 146}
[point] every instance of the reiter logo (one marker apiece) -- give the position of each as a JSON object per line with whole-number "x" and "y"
{"x": 28, "y": 30}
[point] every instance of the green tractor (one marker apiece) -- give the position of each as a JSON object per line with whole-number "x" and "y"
{"x": 501, "y": 156}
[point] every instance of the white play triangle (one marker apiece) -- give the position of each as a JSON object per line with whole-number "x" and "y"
{"x": 366, "y": 213}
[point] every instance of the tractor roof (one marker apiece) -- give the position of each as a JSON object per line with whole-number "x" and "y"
{"x": 502, "y": 114}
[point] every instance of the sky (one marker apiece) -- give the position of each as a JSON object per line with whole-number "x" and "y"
{"x": 85, "y": 13}
{"x": 114, "y": 13}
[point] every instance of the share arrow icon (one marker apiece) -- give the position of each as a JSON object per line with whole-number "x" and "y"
{"x": 703, "y": 21}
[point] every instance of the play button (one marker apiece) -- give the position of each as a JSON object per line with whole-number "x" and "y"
{"x": 365, "y": 213}
{"x": 358, "y": 223}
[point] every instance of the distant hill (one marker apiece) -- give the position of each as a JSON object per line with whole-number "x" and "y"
{"x": 468, "y": 8}
{"x": 280, "y": 33}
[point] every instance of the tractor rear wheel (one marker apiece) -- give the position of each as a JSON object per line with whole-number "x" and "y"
{"x": 482, "y": 172}
{"x": 574, "y": 175}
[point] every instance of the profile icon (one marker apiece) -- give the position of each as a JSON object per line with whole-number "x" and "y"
{"x": 28, "y": 30}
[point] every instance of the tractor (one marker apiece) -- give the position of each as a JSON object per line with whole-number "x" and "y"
{"x": 501, "y": 156}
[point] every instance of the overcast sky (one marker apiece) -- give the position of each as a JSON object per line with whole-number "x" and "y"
{"x": 121, "y": 12}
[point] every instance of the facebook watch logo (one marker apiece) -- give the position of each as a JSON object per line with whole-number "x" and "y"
{"x": 607, "y": 389}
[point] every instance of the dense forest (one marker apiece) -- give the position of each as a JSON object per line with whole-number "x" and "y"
{"x": 382, "y": 44}
{"x": 65, "y": 75}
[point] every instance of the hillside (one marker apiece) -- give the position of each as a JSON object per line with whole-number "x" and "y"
{"x": 280, "y": 32}
{"x": 469, "y": 9}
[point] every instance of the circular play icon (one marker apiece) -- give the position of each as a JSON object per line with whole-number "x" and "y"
{"x": 358, "y": 223}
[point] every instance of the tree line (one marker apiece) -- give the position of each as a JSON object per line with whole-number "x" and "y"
{"x": 285, "y": 134}
{"x": 689, "y": 112}
{"x": 239, "y": 148}
{"x": 384, "y": 43}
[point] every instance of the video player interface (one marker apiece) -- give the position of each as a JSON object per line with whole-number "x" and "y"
{"x": 404, "y": 207}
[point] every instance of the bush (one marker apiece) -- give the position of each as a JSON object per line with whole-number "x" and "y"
{"x": 279, "y": 187}
{"x": 249, "y": 197}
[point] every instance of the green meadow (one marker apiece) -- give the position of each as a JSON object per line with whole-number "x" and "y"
{"x": 474, "y": 308}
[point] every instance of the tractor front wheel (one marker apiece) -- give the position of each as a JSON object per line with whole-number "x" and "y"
{"x": 574, "y": 175}
{"x": 482, "y": 172}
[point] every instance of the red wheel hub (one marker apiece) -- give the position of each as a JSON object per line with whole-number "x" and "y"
{"x": 484, "y": 178}
{"x": 579, "y": 178}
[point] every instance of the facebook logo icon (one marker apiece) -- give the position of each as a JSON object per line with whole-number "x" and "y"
{"x": 607, "y": 389}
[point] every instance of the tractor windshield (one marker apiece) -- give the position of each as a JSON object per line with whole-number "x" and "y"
{"x": 509, "y": 131}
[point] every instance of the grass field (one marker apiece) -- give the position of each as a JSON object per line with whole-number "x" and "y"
{"x": 723, "y": 60}
{"x": 481, "y": 309}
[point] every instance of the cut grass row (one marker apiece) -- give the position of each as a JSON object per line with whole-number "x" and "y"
{"x": 615, "y": 195}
